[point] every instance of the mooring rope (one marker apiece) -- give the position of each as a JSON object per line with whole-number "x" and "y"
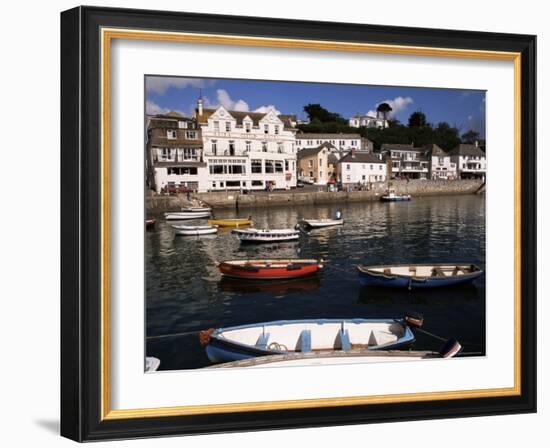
{"x": 171, "y": 335}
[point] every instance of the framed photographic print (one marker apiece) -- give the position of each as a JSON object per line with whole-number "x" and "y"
{"x": 275, "y": 224}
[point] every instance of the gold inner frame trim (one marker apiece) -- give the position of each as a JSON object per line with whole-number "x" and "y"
{"x": 107, "y": 35}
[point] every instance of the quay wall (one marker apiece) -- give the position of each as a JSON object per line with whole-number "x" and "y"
{"x": 233, "y": 199}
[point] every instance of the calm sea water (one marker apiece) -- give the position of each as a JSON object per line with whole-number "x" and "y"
{"x": 185, "y": 293}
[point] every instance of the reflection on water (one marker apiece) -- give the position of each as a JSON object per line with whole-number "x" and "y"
{"x": 185, "y": 292}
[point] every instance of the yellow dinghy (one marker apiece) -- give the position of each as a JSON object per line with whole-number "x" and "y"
{"x": 231, "y": 222}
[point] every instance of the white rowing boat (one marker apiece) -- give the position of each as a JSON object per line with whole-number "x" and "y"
{"x": 338, "y": 220}
{"x": 196, "y": 209}
{"x": 186, "y": 215}
{"x": 195, "y": 230}
{"x": 266, "y": 235}
{"x": 310, "y": 335}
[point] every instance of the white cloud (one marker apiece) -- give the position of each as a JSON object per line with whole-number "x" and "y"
{"x": 152, "y": 108}
{"x": 398, "y": 104}
{"x": 224, "y": 99}
{"x": 160, "y": 84}
{"x": 266, "y": 109}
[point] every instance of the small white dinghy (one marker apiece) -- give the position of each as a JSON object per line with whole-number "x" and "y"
{"x": 317, "y": 223}
{"x": 310, "y": 335}
{"x": 195, "y": 230}
{"x": 266, "y": 235}
{"x": 196, "y": 209}
{"x": 186, "y": 215}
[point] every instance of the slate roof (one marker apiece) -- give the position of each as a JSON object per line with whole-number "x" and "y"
{"x": 360, "y": 157}
{"x": 467, "y": 150}
{"x": 308, "y": 152}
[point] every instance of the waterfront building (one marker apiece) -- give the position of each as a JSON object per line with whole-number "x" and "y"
{"x": 470, "y": 161}
{"x": 360, "y": 167}
{"x": 407, "y": 161}
{"x": 368, "y": 121}
{"x": 339, "y": 142}
{"x": 441, "y": 165}
{"x": 247, "y": 150}
{"x": 313, "y": 163}
{"x": 174, "y": 154}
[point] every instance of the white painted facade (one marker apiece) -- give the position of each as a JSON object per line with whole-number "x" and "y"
{"x": 248, "y": 154}
{"x": 367, "y": 121}
{"x": 360, "y": 170}
{"x": 442, "y": 167}
{"x": 470, "y": 166}
{"x": 341, "y": 142}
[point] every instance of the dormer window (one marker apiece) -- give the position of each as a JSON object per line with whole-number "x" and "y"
{"x": 247, "y": 127}
{"x": 171, "y": 135}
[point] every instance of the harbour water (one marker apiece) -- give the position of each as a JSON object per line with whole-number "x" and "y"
{"x": 185, "y": 292}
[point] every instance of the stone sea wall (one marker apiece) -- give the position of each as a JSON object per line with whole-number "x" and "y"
{"x": 234, "y": 199}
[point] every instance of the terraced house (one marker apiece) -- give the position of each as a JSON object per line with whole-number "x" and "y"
{"x": 174, "y": 154}
{"x": 470, "y": 161}
{"x": 407, "y": 161}
{"x": 247, "y": 150}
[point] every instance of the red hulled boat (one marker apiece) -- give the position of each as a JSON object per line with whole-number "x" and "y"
{"x": 275, "y": 269}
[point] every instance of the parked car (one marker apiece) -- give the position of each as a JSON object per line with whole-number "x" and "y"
{"x": 299, "y": 185}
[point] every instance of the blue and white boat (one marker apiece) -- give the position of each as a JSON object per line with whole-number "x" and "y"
{"x": 302, "y": 336}
{"x": 418, "y": 275}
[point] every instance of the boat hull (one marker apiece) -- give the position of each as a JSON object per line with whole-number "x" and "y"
{"x": 395, "y": 199}
{"x": 230, "y": 222}
{"x": 186, "y": 215}
{"x": 367, "y": 278}
{"x": 250, "y": 272}
{"x": 195, "y": 232}
{"x": 219, "y": 349}
{"x": 316, "y": 224}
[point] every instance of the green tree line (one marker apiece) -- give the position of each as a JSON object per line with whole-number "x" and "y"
{"x": 417, "y": 131}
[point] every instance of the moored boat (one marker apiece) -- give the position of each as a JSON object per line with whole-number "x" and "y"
{"x": 195, "y": 230}
{"x": 332, "y": 357}
{"x": 275, "y": 269}
{"x": 328, "y": 222}
{"x": 266, "y": 235}
{"x": 186, "y": 215}
{"x": 196, "y": 209}
{"x": 418, "y": 275}
{"x": 392, "y": 196}
{"x": 310, "y": 335}
{"x": 231, "y": 222}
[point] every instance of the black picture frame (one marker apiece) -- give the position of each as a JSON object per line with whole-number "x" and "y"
{"x": 81, "y": 209}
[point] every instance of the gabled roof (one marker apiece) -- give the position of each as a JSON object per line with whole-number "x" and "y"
{"x": 399, "y": 147}
{"x": 435, "y": 150}
{"x": 360, "y": 157}
{"x": 467, "y": 150}
{"x": 239, "y": 116}
{"x": 308, "y": 152}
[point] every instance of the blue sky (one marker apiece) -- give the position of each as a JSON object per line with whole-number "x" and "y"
{"x": 462, "y": 108}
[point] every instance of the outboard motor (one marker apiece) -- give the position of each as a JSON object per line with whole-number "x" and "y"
{"x": 414, "y": 319}
{"x": 450, "y": 349}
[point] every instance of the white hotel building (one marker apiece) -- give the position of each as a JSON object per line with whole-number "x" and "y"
{"x": 246, "y": 150}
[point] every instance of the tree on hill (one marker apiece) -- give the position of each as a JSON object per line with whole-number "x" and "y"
{"x": 470, "y": 137}
{"x": 384, "y": 109}
{"x": 418, "y": 120}
{"x": 317, "y": 113}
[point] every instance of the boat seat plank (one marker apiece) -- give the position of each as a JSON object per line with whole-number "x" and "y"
{"x": 305, "y": 341}
{"x": 344, "y": 340}
{"x": 262, "y": 340}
